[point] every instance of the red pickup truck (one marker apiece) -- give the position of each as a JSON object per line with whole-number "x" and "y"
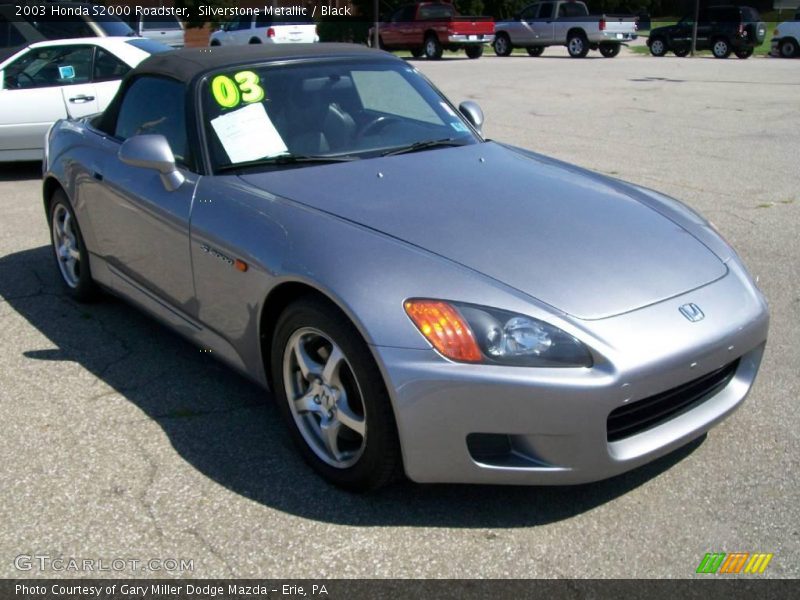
{"x": 429, "y": 28}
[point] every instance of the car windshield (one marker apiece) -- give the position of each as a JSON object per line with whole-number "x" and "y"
{"x": 295, "y": 114}
{"x": 149, "y": 46}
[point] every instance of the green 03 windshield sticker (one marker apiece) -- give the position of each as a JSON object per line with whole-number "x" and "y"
{"x": 245, "y": 86}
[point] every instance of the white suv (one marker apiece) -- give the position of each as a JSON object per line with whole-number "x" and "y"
{"x": 266, "y": 29}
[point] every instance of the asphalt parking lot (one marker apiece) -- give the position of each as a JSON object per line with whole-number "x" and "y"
{"x": 121, "y": 440}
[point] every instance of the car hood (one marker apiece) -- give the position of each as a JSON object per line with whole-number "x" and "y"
{"x": 580, "y": 242}
{"x": 666, "y": 29}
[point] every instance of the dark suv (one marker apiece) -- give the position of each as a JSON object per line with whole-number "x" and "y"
{"x": 721, "y": 29}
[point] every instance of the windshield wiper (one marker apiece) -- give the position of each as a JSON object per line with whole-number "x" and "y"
{"x": 287, "y": 159}
{"x": 416, "y": 146}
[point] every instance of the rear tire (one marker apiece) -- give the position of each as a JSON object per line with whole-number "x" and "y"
{"x": 610, "y": 50}
{"x": 254, "y": 41}
{"x": 432, "y": 49}
{"x": 658, "y": 47}
{"x": 416, "y": 52}
{"x": 720, "y": 48}
{"x": 474, "y": 51}
{"x": 788, "y": 48}
{"x": 502, "y": 45}
{"x": 535, "y": 50}
{"x": 744, "y": 53}
{"x": 215, "y": 43}
{"x": 333, "y": 398}
{"x": 69, "y": 250}
{"x": 681, "y": 52}
{"x": 577, "y": 45}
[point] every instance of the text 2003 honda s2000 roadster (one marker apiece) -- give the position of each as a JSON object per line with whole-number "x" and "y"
{"x": 418, "y": 298}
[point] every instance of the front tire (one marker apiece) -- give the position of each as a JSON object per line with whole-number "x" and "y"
{"x": 474, "y": 51}
{"x": 333, "y": 397}
{"x": 721, "y": 48}
{"x": 744, "y": 53}
{"x": 416, "y": 52}
{"x": 69, "y": 250}
{"x": 788, "y": 48}
{"x": 681, "y": 52}
{"x": 433, "y": 49}
{"x": 609, "y": 50}
{"x": 502, "y": 45}
{"x": 535, "y": 50}
{"x": 658, "y": 47}
{"x": 577, "y": 45}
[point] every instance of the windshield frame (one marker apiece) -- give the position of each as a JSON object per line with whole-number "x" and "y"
{"x": 204, "y": 129}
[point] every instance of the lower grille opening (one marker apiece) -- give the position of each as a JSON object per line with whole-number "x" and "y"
{"x": 484, "y": 447}
{"x": 650, "y": 412}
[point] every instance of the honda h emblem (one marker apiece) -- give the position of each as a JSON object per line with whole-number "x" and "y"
{"x": 692, "y": 312}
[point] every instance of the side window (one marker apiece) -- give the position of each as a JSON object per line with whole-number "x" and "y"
{"x": 241, "y": 24}
{"x": 155, "y": 105}
{"x": 408, "y": 13}
{"x": 51, "y": 66}
{"x": 263, "y": 20}
{"x": 108, "y": 67}
{"x": 157, "y": 23}
{"x": 9, "y": 36}
{"x": 546, "y": 10}
{"x": 64, "y": 28}
{"x": 529, "y": 12}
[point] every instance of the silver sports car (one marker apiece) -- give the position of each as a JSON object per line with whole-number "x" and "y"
{"x": 419, "y": 299}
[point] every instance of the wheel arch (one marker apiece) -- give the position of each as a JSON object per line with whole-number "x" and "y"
{"x": 49, "y": 187}
{"x": 287, "y": 292}
{"x": 284, "y": 294}
{"x": 577, "y": 31}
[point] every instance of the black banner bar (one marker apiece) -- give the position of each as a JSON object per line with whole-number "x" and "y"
{"x": 395, "y": 589}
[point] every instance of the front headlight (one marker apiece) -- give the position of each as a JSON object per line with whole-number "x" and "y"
{"x": 478, "y": 334}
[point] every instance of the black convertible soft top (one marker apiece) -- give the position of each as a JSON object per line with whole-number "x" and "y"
{"x": 185, "y": 65}
{"x": 190, "y": 64}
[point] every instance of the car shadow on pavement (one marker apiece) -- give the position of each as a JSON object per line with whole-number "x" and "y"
{"x": 229, "y": 430}
{"x": 21, "y": 171}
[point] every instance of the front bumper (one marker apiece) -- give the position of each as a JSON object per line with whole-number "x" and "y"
{"x": 555, "y": 420}
{"x": 479, "y": 38}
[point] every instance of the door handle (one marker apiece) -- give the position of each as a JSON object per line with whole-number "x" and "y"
{"x": 82, "y": 99}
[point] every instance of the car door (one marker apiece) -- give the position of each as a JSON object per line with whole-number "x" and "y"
{"x": 141, "y": 229}
{"x": 704, "y": 29}
{"x": 524, "y": 31}
{"x": 681, "y": 34}
{"x": 542, "y": 25}
{"x": 41, "y": 86}
{"x": 238, "y": 31}
{"x": 390, "y": 32}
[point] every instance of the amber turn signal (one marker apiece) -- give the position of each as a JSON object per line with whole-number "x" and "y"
{"x": 445, "y": 328}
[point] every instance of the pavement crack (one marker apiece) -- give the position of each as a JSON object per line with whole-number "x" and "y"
{"x": 211, "y": 549}
{"x": 141, "y": 497}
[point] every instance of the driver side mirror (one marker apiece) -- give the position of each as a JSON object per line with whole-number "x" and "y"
{"x": 152, "y": 151}
{"x": 473, "y": 113}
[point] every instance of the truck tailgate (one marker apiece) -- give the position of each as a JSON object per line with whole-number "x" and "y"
{"x": 472, "y": 25}
{"x": 620, "y": 24}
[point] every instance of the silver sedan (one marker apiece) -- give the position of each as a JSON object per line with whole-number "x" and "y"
{"x": 419, "y": 300}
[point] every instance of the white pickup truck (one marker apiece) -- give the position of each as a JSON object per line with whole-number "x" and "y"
{"x": 563, "y": 23}
{"x": 786, "y": 38}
